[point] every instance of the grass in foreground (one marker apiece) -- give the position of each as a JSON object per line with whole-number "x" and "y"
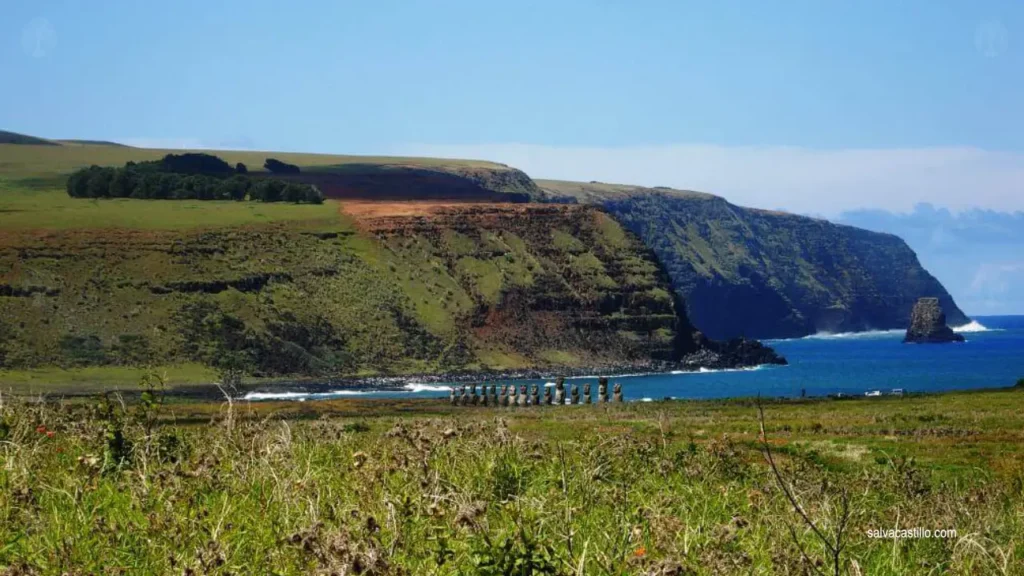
{"x": 421, "y": 488}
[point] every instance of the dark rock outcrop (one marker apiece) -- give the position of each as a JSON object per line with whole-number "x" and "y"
{"x": 928, "y": 324}
{"x": 735, "y": 353}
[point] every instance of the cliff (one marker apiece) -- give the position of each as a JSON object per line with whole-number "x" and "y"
{"x": 379, "y": 288}
{"x": 928, "y": 324}
{"x": 763, "y": 274}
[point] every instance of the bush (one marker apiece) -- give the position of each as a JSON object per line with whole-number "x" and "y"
{"x": 132, "y": 349}
{"x": 1020, "y": 383}
{"x": 195, "y": 163}
{"x": 83, "y": 350}
{"x": 268, "y": 190}
{"x": 185, "y": 177}
{"x": 278, "y": 167}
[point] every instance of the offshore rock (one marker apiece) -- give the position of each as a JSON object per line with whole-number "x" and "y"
{"x": 735, "y": 353}
{"x": 928, "y": 324}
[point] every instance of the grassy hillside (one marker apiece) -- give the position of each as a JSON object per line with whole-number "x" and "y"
{"x": 275, "y": 289}
{"x": 14, "y": 138}
{"x": 25, "y": 166}
{"x": 767, "y": 274}
{"x": 322, "y": 295}
{"x": 422, "y": 488}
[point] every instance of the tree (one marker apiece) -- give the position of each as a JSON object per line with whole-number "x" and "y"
{"x": 234, "y": 188}
{"x": 314, "y": 196}
{"x": 294, "y": 193}
{"x": 195, "y": 163}
{"x": 78, "y": 184}
{"x": 241, "y": 169}
{"x": 278, "y": 167}
{"x": 99, "y": 182}
{"x": 268, "y": 190}
{"x": 121, "y": 185}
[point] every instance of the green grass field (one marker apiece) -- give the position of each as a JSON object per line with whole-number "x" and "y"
{"x": 95, "y": 379}
{"x": 418, "y": 487}
{"x": 32, "y": 194}
{"x": 49, "y": 209}
{"x": 27, "y": 161}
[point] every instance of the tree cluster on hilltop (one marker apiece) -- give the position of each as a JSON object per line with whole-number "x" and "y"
{"x": 191, "y": 176}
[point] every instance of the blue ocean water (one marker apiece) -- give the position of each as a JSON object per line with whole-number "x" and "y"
{"x": 993, "y": 356}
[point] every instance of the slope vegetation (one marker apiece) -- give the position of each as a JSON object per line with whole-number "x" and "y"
{"x": 316, "y": 290}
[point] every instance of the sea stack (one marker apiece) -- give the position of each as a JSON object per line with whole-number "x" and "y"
{"x": 928, "y": 324}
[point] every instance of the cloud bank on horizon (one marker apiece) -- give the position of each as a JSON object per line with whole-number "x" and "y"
{"x": 978, "y": 255}
{"x": 800, "y": 180}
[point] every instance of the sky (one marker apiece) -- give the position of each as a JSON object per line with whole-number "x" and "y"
{"x": 813, "y": 107}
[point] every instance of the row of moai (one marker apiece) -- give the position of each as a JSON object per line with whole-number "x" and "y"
{"x": 509, "y": 395}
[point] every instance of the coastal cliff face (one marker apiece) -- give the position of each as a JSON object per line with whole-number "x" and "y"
{"x": 928, "y": 324}
{"x": 403, "y": 288}
{"x": 762, "y": 274}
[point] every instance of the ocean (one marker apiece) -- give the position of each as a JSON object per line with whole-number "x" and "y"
{"x": 820, "y": 365}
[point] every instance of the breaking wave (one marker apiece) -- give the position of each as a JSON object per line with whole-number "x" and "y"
{"x": 845, "y": 335}
{"x": 414, "y": 388}
{"x": 973, "y": 326}
{"x": 257, "y": 396}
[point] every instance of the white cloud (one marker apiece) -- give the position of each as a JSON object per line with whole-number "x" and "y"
{"x": 801, "y": 180}
{"x": 995, "y": 279}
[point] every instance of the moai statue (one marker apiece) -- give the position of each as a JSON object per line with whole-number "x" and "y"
{"x": 521, "y": 398}
{"x": 475, "y": 398}
{"x": 494, "y": 395}
{"x": 464, "y": 397}
{"x": 586, "y": 393}
{"x": 574, "y": 398}
{"x": 560, "y": 391}
{"x": 547, "y": 396}
{"x": 535, "y": 396}
{"x": 503, "y": 396}
{"x": 484, "y": 399}
{"x": 453, "y": 398}
{"x": 617, "y": 393}
{"x": 602, "y": 390}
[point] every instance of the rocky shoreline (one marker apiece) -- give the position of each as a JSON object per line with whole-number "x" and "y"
{"x": 712, "y": 355}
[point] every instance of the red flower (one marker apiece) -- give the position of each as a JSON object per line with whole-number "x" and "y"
{"x": 41, "y": 429}
{"x": 50, "y": 434}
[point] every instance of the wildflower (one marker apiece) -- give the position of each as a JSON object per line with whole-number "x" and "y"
{"x": 50, "y": 434}
{"x": 41, "y": 429}
{"x": 640, "y": 552}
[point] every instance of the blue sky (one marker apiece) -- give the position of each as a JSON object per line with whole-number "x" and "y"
{"x": 365, "y": 76}
{"x": 815, "y": 107}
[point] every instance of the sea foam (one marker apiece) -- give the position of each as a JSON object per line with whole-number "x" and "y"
{"x": 414, "y": 388}
{"x": 258, "y": 396}
{"x": 972, "y": 326}
{"x": 845, "y": 335}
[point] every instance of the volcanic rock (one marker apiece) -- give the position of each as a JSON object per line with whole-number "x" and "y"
{"x": 928, "y": 324}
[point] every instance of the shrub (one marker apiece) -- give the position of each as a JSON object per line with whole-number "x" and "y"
{"x": 195, "y": 163}
{"x": 278, "y": 167}
{"x": 268, "y": 190}
{"x": 1020, "y": 383}
{"x": 83, "y": 350}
